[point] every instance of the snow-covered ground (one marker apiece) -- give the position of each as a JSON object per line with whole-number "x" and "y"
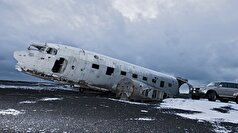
{"x": 29, "y": 87}
{"x": 43, "y": 99}
{"x": 143, "y": 119}
{"x": 209, "y": 111}
{"x": 27, "y": 102}
{"x": 129, "y": 102}
{"x": 50, "y": 99}
{"x": 203, "y": 109}
{"x": 11, "y": 112}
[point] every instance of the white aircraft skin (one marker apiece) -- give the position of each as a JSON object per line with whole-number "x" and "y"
{"x": 89, "y": 70}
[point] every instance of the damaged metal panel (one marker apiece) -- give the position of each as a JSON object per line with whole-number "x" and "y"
{"x": 129, "y": 89}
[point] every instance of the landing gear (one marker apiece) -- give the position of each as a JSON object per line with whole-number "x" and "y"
{"x": 81, "y": 90}
{"x": 212, "y": 96}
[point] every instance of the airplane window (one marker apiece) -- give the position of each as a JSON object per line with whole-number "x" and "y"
{"x": 134, "y": 75}
{"x": 161, "y": 83}
{"x": 55, "y": 52}
{"x": 73, "y": 67}
{"x": 96, "y": 57}
{"x": 145, "y": 78}
{"x": 154, "y": 94}
{"x": 147, "y": 92}
{"x": 37, "y": 48}
{"x": 154, "y": 80}
{"x": 170, "y": 85}
{"x": 123, "y": 73}
{"x": 51, "y": 51}
{"x": 95, "y": 66}
{"x": 143, "y": 92}
{"x": 110, "y": 71}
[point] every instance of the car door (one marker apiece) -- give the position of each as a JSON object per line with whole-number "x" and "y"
{"x": 231, "y": 90}
{"x": 222, "y": 89}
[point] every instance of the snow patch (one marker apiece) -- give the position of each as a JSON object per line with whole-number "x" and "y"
{"x": 136, "y": 103}
{"x": 205, "y": 107}
{"x": 50, "y": 99}
{"x": 144, "y": 111}
{"x": 43, "y": 99}
{"x": 49, "y": 110}
{"x": 27, "y": 102}
{"x": 26, "y": 87}
{"x": 104, "y": 106}
{"x": 10, "y": 112}
{"x": 143, "y": 119}
{"x": 2, "y": 86}
{"x": 18, "y": 68}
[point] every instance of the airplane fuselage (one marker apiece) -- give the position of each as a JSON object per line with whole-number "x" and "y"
{"x": 87, "y": 69}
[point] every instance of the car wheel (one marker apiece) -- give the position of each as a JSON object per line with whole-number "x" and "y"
{"x": 212, "y": 96}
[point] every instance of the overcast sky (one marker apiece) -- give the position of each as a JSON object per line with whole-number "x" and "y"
{"x": 194, "y": 39}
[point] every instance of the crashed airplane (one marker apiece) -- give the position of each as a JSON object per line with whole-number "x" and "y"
{"x": 88, "y": 70}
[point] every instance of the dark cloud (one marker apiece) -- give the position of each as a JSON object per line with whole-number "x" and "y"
{"x": 194, "y": 39}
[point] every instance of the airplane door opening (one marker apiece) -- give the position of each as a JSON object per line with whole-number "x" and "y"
{"x": 59, "y": 66}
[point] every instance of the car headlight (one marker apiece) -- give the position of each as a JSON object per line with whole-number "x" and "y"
{"x": 204, "y": 90}
{"x": 235, "y": 94}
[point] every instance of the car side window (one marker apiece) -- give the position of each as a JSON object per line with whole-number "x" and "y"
{"x": 224, "y": 85}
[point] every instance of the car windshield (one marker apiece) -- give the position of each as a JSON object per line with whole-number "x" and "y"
{"x": 212, "y": 84}
{"x": 37, "y": 48}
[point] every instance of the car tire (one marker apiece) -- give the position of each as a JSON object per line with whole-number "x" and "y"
{"x": 212, "y": 96}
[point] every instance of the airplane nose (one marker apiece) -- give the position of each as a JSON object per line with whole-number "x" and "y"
{"x": 16, "y": 55}
{"x": 19, "y": 55}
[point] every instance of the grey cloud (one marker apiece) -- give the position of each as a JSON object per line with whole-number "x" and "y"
{"x": 194, "y": 39}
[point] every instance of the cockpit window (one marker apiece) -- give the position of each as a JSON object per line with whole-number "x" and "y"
{"x": 37, "y": 48}
{"x": 51, "y": 51}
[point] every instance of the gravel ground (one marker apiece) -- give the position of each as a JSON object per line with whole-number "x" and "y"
{"x": 62, "y": 111}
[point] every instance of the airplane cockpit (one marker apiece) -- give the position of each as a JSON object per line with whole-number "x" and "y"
{"x": 43, "y": 49}
{"x": 36, "y": 48}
